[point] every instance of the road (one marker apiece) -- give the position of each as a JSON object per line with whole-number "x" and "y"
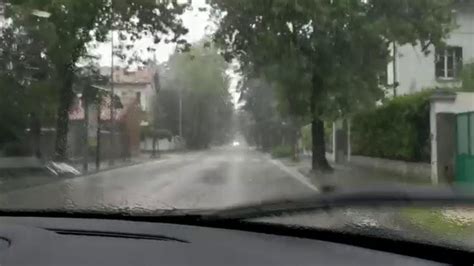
{"x": 212, "y": 179}
{"x": 216, "y": 178}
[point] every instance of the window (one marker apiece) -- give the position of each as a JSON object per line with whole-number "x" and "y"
{"x": 448, "y": 62}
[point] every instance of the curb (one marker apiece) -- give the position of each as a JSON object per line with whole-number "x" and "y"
{"x": 115, "y": 167}
{"x": 295, "y": 173}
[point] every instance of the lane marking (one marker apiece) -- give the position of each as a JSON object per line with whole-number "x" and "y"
{"x": 295, "y": 174}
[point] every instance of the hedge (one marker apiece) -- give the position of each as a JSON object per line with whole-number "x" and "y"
{"x": 283, "y": 151}
{"x": 399, "y": 129}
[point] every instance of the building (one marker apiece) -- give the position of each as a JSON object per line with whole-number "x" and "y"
{"x": 441, "y": 68}
{"x": 415, "y": 71}
{"x": 140, "y": 84}
{"x": 125, "y": 140}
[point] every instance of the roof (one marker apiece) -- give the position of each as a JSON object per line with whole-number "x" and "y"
{"x": 127, "y": 76}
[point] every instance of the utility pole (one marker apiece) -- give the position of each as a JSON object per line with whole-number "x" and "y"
{"x": 97, "y": 155}
{"x": 112, "y": 89}
{"x": 85, "y": 106}
{"x": 181, "y": 113}
{"x": 395, "y": 73}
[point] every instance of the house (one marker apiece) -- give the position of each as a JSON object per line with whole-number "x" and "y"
{"x": 415, "y": 71}
{"x": 441, "y": 68}
{"x": 140, "y": 84}
{"x": 125, "y": 141}
{"x": 451, "y": 111}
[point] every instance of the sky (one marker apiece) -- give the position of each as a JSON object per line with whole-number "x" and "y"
{"x": 199, "y": 26}
{"x": 194, "y": 20}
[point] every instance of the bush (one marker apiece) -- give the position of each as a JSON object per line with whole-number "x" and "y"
{"x": 16, "y": 149}
{"x": 467, "y": 77}
{"x": 399, "y": 129}
{"x": 282, "y": 152}
{"x": 306, "y": 137}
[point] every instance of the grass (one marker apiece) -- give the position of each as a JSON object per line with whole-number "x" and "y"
{"x": 433, "y": 221}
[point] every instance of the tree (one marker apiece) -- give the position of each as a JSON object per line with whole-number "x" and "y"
{"x": 24, "y": 76}
{"x": 87, "y": 79}
{"x": 73, "y": 25}
{"x": 199, "y": 79}
{"x": 259, "y": 100}
{"x": 340, "y": 48}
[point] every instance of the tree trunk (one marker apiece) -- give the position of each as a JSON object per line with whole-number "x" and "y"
{"x": 319, "y": 161}
{"x": 62, "y": 123}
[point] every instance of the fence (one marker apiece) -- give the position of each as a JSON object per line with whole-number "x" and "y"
{"x": 111, "y": 146}
{"x": 465, "y": 147}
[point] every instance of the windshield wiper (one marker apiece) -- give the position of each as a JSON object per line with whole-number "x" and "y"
{"x": 355, "y": 198}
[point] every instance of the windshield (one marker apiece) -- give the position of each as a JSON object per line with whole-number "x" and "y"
{"x": 135, "y": 106}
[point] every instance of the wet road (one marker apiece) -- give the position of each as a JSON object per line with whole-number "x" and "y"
{"x": 216, "y": 178}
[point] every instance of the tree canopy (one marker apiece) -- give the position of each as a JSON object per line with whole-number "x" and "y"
{"x": 72, "y": 26}
{"x": 326, "y": 56}
{"x": 199, "y": 78}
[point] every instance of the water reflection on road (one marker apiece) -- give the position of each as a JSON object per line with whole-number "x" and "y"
{"x": 216, "y": 178}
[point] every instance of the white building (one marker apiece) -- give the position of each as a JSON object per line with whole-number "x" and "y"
{"x": 416, "y": 71}
{"x": 441, "y": 68}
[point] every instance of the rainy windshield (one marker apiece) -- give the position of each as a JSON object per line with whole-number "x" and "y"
{"x": 148, "y": 105}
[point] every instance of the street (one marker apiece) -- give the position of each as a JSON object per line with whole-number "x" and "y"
{"x": 216, "y": 178}
{"x": 212, "y": 179}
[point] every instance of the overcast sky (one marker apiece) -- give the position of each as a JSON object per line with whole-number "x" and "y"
{"x": 196, "y": 21}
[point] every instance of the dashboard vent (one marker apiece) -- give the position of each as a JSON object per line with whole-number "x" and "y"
{"x": 116, "y": 235}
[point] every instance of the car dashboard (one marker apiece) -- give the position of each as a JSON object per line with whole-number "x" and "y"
{"x": 68, "y": 241}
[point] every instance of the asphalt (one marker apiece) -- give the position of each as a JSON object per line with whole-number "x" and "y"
{"x": 216, "y": 178}
{"x": 212, "y": 179}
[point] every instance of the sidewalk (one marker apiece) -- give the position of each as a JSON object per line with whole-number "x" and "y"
{"x": 350, "y": 176}
{"x": 117, "y": 163}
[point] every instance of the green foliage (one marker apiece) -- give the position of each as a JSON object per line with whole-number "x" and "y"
{"x": 284, "y": 151}
{"x": 24, "y": 89}
{"x": 399, "y": 129}
{"x": 435, "y": 222}
{"x": 306, "y": 137}
{"x": 325, "y": 56}
{"x": 16, "y": 149}
{"x": 259, "y": 100}
{"x": 72, "y": 27}
{"x": 332, "y": 51}
{"x": 467, "y": 77}
{"x": 199, "y": 78}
